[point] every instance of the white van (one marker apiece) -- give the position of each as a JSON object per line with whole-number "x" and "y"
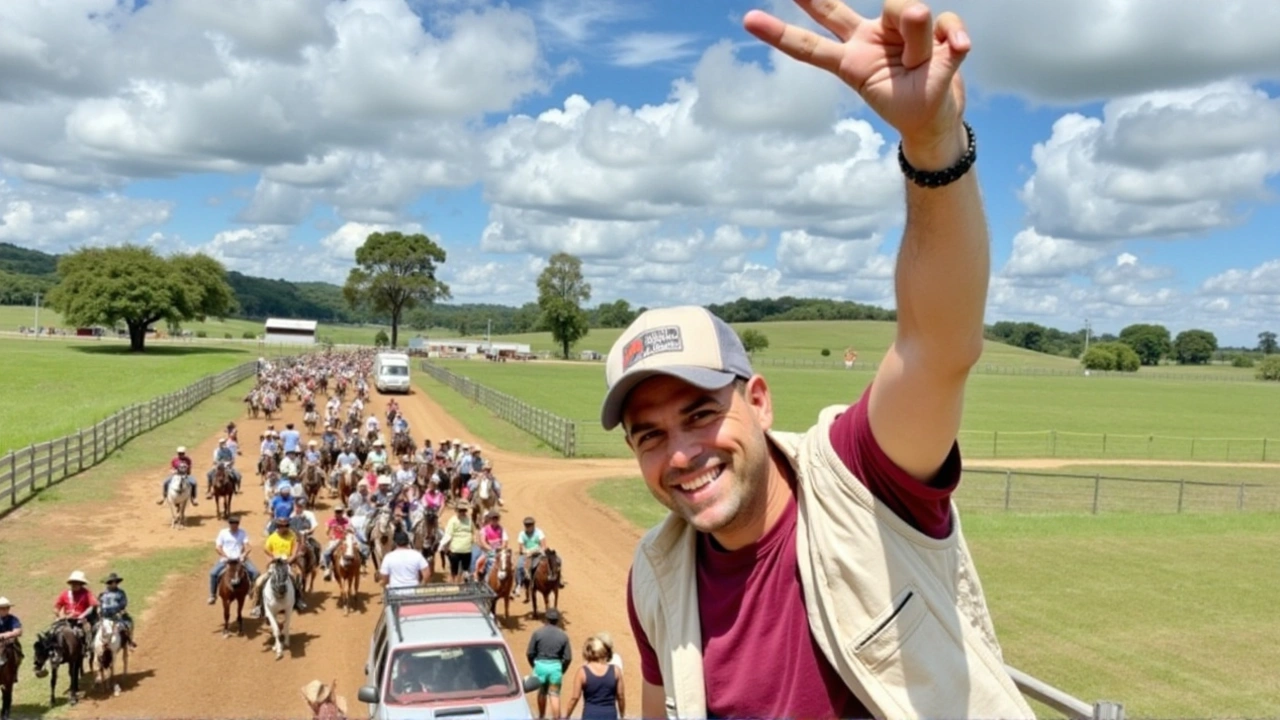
{"x": 391, "y": 372}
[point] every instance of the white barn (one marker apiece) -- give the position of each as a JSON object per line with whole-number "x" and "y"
{"x": 290, "y": 332}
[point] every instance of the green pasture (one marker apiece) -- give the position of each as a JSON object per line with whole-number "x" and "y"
{"x": 1005, "y": 415}
{"x": 53, "y": 387}
{"x": 38, "y": 554}
{"x": 12, "y": 317}
{"x": 1165, "y": 613}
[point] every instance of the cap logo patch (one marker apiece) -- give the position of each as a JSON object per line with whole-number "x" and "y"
{"x": 650, "y": 343}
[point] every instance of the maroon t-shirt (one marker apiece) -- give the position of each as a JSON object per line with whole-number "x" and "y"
{"x": 759, "y": 657}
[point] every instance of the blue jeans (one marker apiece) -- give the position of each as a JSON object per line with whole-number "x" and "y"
{"x": 221, "y": 565}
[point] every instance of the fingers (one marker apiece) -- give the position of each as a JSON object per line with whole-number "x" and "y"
{"x": 914, "y": 22}
{"x": 795, "y": 41}
{"x": 949, "y": 30}
{"x": 833, "y": 15}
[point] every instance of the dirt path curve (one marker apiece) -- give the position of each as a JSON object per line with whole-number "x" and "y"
{"x": 185, "y": 668}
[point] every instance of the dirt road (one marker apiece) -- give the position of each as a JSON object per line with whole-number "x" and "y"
{"x": 185, "y": 668}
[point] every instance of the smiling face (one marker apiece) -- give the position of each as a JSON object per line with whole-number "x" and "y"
{"x": 704, "y": 453}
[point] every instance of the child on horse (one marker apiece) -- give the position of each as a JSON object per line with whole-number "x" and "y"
{"x": 114, "y": 604}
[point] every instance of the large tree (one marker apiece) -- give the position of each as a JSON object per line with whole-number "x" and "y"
{"x": 561, "y": 293}
{"x": 1194, "y": 347}
{"x": 134, "y": 285}
{"x": 1266, "y": 342}
{"x": 1151, "y": 342}
{"x": 395, "y": 272}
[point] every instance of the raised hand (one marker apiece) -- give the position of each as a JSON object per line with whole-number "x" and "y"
{"x": 904, "y": 64}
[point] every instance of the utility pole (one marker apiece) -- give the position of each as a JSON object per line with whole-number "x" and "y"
{"x": 488, "y": 335}
{"x": 37, "y": 326}
{"x": 1086, "y": 337}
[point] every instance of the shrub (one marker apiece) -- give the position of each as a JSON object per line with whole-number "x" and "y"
{"x": 201, "y": 333}
{"x": 1099, "y": 358}
{"x": 1242, "y": 361}
{"x": 1111, "y": 356}
{"x": 381, "y": 339}
{"x": 249, "y": 336}
{"x": 1269, "y": 369}
{"x": 226, "y": 336}
{"x": 826, "y": 352}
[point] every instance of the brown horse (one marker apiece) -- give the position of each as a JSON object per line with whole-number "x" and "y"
{"x": 9, "y": 660}
{"x": 233, "y": 586}
{"x": 501, "y": 579}
{"x": 312, "y": 481}
{"x": 545, "y": 580}
{"x": 308, "y": 563}
{"x": 268, "y": 464}
{"x": 346, "y": 572}
{"x": 224, "y": 487}
{"x": 426, "y": 538}
{"x": 60, "y": 645}
{"x": 347, "y": 479}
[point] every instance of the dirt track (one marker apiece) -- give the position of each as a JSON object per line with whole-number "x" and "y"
{"x": 185, "y": 668}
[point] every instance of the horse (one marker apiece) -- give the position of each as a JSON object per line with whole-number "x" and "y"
{"x": 312, "y": 480}
{"x": 484, "y": 500}
{"x": 233, "y": 585}
{"x": 426, "y": 537}
{"x": 268, "y": 464}
{"x": 8, "y": 675}
{"x": 310, "y": 419}
{"x": 108, "y": 641}
{"x": 252, "y": 401}
{"x": 60, "y": 645}
{"x": 545, "y": 579}
{"x": 346, "y": 571}
{"x": 347, "y": 479}
{"x": 177, "y": 495}
{"x": 277, "y": 602}
{"x": 380, "y": 534}
{"x": 501, "y": 579}
{"x": 402, "y": 444}
{"x": 224, "y": 487}
{"x": 308, "y": 562}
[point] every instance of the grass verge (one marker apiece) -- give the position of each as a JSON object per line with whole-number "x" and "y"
{"x": 481, "y": 421}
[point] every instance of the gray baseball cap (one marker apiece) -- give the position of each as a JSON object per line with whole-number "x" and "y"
{"x": 687, "y": 342}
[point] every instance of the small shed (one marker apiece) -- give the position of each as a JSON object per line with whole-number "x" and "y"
{"x": 290, "y": 332}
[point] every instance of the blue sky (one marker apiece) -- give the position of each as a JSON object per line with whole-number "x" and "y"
{"x": 1129, "y": 149}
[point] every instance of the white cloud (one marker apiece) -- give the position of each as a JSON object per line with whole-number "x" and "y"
{"x": 1261, "y": 280}
{"x": 56, "y": 220}
{"x": 1165, "y": 164}
{"x": 1036, "y": 255}
{"x": 638, "y": 49}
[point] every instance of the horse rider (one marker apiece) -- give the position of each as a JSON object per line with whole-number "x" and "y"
{"x": 289, "y": 466}
{"x": 336, "y": 530}
{"x": 465, "y": 463}
{"x": 312, "y": 455}
{"x": 280, "y": 544}
{"x": 359, "y": 503}
{"x": 233, "y": 435}
{"x": 474, "y": 485}
{"x": 371, "y": 424}
{"x": 492, "y": 538}
{"x": 329, "y": 440}
{"x": 433, "y": 498}
{"x": 378, "y": 455}
{"x": 400, "y": 425}
{"x": 269, "y": 444}
{"x": 76, "y": 605}
{"x": 304, "y": 523}
{"x": 479, "y": 464}
{"x": 232, "y": 543}
{"x": 10, "y": 629}
{"x": 291, "y": 438}
{"x": 223, "y": 454}
{"x": 532, "y": 543}
{"x": 114, "y": 605}
{"x": 427, "y": 454}
{"x": 406, "y": 474}
{"x": 281, "y": 505}
{"x": 181, "y": 472}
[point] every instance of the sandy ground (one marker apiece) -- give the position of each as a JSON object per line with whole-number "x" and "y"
{"x": 184, "y": 667}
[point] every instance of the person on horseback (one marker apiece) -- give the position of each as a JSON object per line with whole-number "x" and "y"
{"x": 313, "y": 454}
{"x": 181, "y": 465}
{"x": 269, "y": 445}
{"x": 426, "y": 454}
{"x": 114, "y": 604}
{"x": 281, "y": 505}
{"x": 433, "y": 498}
{"x": 330, "y": 438}
{"x": 291, "y": 438}
{"x": 233, "y": 434}
{"x": 493, "y": 537}
{"x": 338, "y": 527}
{"x": 406, "y": 474}
{"x": 359, "y": 503}
{"x": 378, "y": 455}
{"x": 225, "y": 455}
{"x": 76, "y": 605}
{"x": 289, "y": 466}
{"x": 532, "y": 543}
{"x": 400, "y": 425}
{"x": 474, "y": 484}
{"x": 10, "y": 629}
{"x": 232, "y": 543}
{"x": 280, "y": 544}
{"x": 371, "y": 424}
{"x": 304, "y": 523}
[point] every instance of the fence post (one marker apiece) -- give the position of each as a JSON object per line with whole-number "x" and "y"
{"x": 995, "y": 444}
{"x": 31, "y": 466}
{"x": 1097, "y": 488}
{"x": 1264, "y": 449}
{"x": 1240, "y": 499}
{"x": 1193, "y": 448}
{"x": 80, "y": 451}
{"x": 1104, "y": 443}
{"x": 13, "y": 478}
{"x": 1054, "y": 435}
{"x": 66, "y": 454}
{"x": 1008, "y": 488}
{"x": 1182, "y": 489}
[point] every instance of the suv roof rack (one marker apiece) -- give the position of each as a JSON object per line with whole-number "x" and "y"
{"x": 479, "y": 593}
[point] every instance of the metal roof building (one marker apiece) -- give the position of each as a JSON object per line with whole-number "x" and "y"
{"x": 290, "y": 332}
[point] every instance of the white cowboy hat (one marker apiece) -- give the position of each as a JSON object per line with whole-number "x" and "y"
{"x": 78, "y": 576}
{"x": 4, "y": 602}
{"x": 475, "y": 449}
{"x": 313, "y": 443}
{"x": 221, "y": 440}
{"x": 181, "y": 449}
{"x": 316, "y": 692}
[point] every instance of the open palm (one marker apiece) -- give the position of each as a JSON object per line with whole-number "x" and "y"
{"x": 903, "y": 64}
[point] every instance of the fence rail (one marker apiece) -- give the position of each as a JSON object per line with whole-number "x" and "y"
{"x": 555, "y": 431}
{"x": 27, "y": 470}
{"x": 835, "y": 363}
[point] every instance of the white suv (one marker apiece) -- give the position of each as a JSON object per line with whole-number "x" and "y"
{"x": 436, "y": 652}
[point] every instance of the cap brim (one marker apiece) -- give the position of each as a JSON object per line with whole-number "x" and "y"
{"x": 615, "y": 400}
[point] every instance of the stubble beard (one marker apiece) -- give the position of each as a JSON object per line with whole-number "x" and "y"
{"x": 743, "y": 501}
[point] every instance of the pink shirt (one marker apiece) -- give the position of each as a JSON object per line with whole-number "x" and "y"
{"x": 493, "y": 535}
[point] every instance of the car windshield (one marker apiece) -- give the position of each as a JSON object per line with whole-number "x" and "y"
{"x": 395, "y": 370}
{"x": 420, "y": 675}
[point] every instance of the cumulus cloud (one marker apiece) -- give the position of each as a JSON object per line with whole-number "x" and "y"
{"x": 1036, "y": 255}
{"x": 1261, "y": 280}
{"x": 1164, "y": 164}
{"x": 638, "y": 49}
{"x": 56, "y": 220}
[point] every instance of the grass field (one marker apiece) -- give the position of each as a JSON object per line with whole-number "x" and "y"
{"x": 36, "y": 566}
{"x": 1020, "y": 408}
{"x": 1166, "y": 614}
{"x": 12, "y": 317}
{"x": 53, "y": 387}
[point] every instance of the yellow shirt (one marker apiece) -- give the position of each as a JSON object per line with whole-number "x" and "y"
{"x": 278, "y": 546}
{"x": 459, "y": 533}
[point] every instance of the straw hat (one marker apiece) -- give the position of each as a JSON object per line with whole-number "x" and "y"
{"x": 4, "y": 602}
{"x": 316, "y": 692}
{"x": 78, "y": 576}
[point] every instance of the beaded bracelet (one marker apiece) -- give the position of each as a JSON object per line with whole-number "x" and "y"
{"x": 947, "y": 176}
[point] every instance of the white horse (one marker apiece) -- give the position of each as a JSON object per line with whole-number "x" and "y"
{"x": 177, "y": 495}
{"x": 107, "y": 643}
{"x": 277, "y": 602}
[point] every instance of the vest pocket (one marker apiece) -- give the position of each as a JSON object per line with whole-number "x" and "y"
{"x": 890, "y": 629}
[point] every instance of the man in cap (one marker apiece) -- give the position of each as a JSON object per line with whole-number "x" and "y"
{"x": 282, "y": 543}
{"x": 550, "y": 654}
{"x": 785, "y": 553}
{"x": 532, "y": 543}
{"x": 76, "y": 605}
{"x": 10, "y": 632}
{"x": 336, "y": 530}
{"x": 225, "y": 455}
{"x": 114, "y": 604}
{"x": 312, "y": 456}
{"x": 232, "y": 543}
{"x": 181, "y": 466}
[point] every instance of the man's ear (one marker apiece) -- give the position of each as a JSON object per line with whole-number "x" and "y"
{"x": 756, "y": 393}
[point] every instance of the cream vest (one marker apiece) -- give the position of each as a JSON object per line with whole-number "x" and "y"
{"x": 901, "y": 616}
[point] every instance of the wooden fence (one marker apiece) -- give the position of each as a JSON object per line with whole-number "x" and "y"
{"x": 557, "y": 432}
{"x": 38, "y": 466}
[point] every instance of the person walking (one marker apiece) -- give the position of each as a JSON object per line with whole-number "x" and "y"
{"x": 598, "y": 683}
{"x": 823, "y": 573}
{"x": 460, "y": 533}
{"x": 549, "y": 654}
{"x": 404, "y": 566}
